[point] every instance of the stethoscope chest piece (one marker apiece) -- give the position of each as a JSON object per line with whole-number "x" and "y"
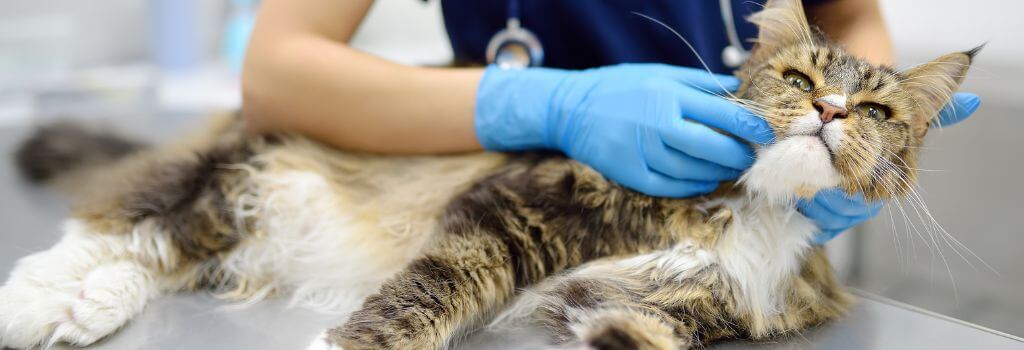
{"x": 515, "y": 47}
{"x": 734, "y": 56}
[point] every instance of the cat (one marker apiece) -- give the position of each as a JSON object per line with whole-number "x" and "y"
{"x": 433, "y": 246}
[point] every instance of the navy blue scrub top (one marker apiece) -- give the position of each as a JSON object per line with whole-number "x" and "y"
{"x": 579, "y": 34}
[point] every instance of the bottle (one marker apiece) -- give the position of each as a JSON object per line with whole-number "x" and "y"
{"x": 237, "y": 29}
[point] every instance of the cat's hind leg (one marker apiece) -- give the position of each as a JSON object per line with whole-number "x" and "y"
{"x": 107, "y": 267}
{"x": 151, "y": 226}
{"x": 80, "y": 290}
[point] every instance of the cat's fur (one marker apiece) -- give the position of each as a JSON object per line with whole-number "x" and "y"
{"x": 440, "y": 245}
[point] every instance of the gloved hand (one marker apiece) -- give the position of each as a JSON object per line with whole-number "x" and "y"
{"x": 834, "y": 211}
{"x": 645, "y": 126}
{"x": 959, "y": 108}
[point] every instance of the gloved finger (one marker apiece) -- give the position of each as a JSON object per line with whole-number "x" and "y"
{"x": 826, "y": 235}
{"x": 702, "y": 142}
{"x": 660, "y": 185}
{"x": 961, "y": 106}
{"x": 856, "y": 220}
{"x": 720, "y": 113}
{"x": 678, "y": 165}
{"x": 825, "y": 219}
{"x": 871, "y": 214}
{"x": 837, "y": 201}
{"x": 703, "y": 80}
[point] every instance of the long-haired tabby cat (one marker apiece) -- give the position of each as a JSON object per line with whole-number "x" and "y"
{"x": 434, "y": 246}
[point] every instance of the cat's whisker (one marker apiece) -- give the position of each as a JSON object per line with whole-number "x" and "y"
{"x": 900, "y": 258}
{"x": 754, "y": 106}
{"x": 931, "y": 243}
{"x": 912, "y": 227}
{"x": 688, "y": 45}
{"x": 757, "y": 87}
{"x": 940, "y": 230}
{"x": 931, "y": 224}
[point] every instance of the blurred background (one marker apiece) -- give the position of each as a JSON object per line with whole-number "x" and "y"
{"x": 167, "y": 59}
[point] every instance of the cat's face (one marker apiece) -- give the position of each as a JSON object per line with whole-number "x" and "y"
{"x": 838, "y": 120}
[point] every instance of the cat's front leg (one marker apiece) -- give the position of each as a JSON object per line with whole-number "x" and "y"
{"x": 82, "y": 289}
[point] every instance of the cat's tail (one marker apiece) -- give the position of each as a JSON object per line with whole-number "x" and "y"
{"x": 59, "y": 150}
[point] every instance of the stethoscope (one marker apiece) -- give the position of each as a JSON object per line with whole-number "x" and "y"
{"x": 517, "y": 47}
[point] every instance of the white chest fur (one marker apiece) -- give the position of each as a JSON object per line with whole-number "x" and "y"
{"x": 766, "y": 242}
{"x": 761, "y": 250}
{"x": 768, "y": 238}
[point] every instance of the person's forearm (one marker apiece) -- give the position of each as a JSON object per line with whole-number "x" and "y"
{"x": 301, "y": 76}
{"x": 354, "y": 101}
{"x": 858, "y": 25}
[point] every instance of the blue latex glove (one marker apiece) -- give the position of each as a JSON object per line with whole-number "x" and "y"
{"x": 834, "y": 211}
{"x": 645, "y": 126}
{"x": 962, "y": 106}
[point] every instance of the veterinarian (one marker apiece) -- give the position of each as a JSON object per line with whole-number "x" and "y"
{"x": 618, "y": 90}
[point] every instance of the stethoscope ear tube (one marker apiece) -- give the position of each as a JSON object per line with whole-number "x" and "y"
{"x": 733, "y": 55}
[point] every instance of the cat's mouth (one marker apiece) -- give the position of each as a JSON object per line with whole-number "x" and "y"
{"x": 828, "y": 148}
{"x": 812, "y": 143}
{"x": 797, "y": 165}
{"x": 827, "y": 138}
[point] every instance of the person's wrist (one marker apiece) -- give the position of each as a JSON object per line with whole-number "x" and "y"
{"x": 512, "y": 108}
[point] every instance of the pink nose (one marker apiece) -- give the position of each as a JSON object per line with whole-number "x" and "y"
{"x": 828, "y": 111}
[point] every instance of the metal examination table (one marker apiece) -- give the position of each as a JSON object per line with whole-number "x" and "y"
{"x": 30, "y": 219}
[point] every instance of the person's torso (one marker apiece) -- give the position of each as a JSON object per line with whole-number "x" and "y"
{"x": 577, "y": 34}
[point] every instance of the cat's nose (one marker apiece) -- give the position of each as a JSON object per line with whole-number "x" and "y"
{"x": 831, "y": 107}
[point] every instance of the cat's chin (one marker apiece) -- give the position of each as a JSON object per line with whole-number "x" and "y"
{"x": 796, "y": 166}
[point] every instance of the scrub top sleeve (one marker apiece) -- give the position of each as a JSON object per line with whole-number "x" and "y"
{"x": 809, "y": 3}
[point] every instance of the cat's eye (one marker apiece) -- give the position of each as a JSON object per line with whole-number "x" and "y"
{"x": 873, "y": 110}
{"x": 798, "y": 80}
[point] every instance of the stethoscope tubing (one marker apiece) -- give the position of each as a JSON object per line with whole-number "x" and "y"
{"x": 514, "y": 33}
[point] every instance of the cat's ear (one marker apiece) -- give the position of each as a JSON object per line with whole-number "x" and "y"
{"x": 932, "y": 84}
{"x": 780, "y": 24}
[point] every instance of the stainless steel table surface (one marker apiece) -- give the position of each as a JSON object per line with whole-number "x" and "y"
{"x": 29, "y": 221}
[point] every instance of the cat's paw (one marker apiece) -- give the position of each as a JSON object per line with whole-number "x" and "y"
{"x": 36, "y": 313}
{"x": 28, "y": 315}
{"x": 321, "y": 343}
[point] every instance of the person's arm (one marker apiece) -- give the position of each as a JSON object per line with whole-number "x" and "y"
{"x": 858, "y": 25}
{"x": 640, "y": 125}
{"x": 301, "y": 76}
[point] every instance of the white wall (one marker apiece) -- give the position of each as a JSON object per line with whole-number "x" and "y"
{"x": 972, "y": 183}
{"x": 929, "y": 28}
{"x": 923, "y": 30}
{"x": 407, "y": 31}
